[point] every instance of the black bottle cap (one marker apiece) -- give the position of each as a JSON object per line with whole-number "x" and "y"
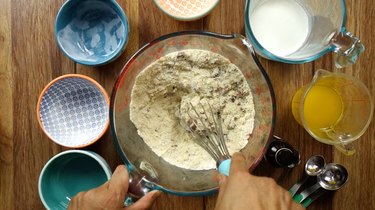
{"x": 282, "y": 154}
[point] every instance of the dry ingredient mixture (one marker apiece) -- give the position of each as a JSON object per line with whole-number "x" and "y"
{"x": 161, "y": 98}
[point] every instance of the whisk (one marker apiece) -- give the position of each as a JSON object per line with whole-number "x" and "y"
{"x": 210, "y": 138}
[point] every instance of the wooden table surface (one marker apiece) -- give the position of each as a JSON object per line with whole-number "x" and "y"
{"x": 30, "y": 58}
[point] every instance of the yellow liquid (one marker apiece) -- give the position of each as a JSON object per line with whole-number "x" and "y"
{"x": 322, "y": 108}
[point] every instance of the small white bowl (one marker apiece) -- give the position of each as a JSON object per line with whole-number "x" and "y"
{"x": 187, "y": 10}
{"x": 73, "y": 111}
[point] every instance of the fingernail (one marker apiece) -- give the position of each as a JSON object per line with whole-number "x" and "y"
{"x": 239, "y": 154}
{"x": 121, "y": 170}
{"x": 156, "y": 194}
{"x": 215, "y": 177}
{"x": 221, "y": 179}
{"x": 123, "y": 167}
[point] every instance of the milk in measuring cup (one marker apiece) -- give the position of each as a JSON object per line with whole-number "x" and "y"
{"x": 281, "y": 27}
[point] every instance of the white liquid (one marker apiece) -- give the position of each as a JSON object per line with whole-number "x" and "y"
{"x": 281, "y": 27}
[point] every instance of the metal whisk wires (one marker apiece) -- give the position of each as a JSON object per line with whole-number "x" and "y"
{"x": 210, "y": 138}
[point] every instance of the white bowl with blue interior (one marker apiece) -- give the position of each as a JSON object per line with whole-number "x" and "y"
{"x": 91, "y": 32}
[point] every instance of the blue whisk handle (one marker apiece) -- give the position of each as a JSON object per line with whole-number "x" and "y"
{"x": 224, "y": 167}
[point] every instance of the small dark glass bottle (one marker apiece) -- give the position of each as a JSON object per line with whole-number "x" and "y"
{"x": 281, "y": 154}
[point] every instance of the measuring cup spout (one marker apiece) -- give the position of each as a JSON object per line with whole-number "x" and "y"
{"x": 320, "y": 73}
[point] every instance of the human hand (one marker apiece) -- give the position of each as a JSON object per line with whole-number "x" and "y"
{"x": 242, "y": 191}
{"x": 111, "y": 195}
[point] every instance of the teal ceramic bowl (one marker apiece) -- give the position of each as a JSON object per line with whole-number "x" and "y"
{"x": 69, "y": 173}
{"x": 91, "y": 32}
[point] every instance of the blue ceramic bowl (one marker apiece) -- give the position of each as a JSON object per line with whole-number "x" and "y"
{"x": 68, "y": 173}
{"x": 91, "y": 32}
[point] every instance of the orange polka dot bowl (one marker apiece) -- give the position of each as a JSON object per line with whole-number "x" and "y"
{"x": 186, "y": 10}
{"x": 72, "y": 110}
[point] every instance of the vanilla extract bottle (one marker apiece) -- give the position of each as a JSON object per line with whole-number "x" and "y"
{"x": 281, "y": 154}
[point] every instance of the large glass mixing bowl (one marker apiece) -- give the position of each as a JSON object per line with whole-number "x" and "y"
{"x": 150, "y": 171}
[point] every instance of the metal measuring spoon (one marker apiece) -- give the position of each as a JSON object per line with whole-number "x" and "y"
{"x": 313, "y": 167}
{"x": 333, "y": 177}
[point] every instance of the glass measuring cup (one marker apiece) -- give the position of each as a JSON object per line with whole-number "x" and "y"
{"x": 299, "y": 31}
{"x": 334, "y": 108}
{"x": 150, "y": 171}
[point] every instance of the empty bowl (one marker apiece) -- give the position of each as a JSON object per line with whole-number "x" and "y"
{"x": 72, "y": 110}
{"x": 91, "y": 32}
{"x": 187, "y": 10}
{"x": 69, "y": 173}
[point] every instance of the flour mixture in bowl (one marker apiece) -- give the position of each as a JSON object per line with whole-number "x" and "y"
{"x": 166, "y": 88}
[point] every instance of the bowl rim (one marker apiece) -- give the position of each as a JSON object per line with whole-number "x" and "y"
{"x": 115, "y": 54}
{"x": 101, "y": 89}
{"x": 188, "y": 18}
{"x": 99, "y": 159}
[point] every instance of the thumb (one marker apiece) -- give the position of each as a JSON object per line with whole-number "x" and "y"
{"x": 238, "y": 163}
{"x": 118, "y": 184}
{"x": 222, "y": 180}
{"x": 113, "y": 192}
{"x": 146, "y": 201}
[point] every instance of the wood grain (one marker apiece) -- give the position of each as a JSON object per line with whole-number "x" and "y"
{"x": 361, "y": 167}
{"x": 30, "y": 58}
{"x": 6, "y": 108}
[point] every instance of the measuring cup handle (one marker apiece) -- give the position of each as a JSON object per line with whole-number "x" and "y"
{"x": 347, "y": 48}
{"x": 347, "y": 149}
{"x": 138, "y": 187}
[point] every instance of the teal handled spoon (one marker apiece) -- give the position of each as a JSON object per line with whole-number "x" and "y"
{"x": 309, "y": 200}
{"x": 313, "y": 167}
{"x": 333, "y": 177}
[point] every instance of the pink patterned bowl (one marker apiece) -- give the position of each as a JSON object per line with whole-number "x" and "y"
{"x": 186, "y": 10}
